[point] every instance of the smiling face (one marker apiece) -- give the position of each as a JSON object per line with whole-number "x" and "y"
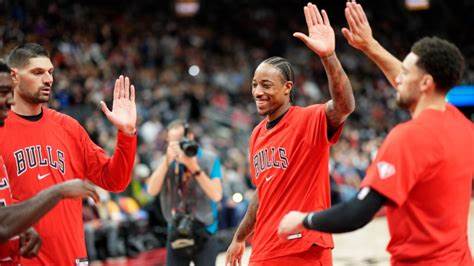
{"x": 34, "y": 80}
{"x": 270, "y": 91}
{"x": 6, "y": 95}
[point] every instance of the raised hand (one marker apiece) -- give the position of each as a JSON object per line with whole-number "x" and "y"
{"x": 359, "y": 34}
{"x": 320, "y": 38}
{"x": 124, "y": 111}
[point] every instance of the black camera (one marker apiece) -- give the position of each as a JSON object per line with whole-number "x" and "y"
{"x": 189, "y": 147}
{"x": 185, "y": 225}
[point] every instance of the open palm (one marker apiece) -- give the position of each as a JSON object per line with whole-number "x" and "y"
{"x": 124, "y": 111}
{"x": 321, "y": 39}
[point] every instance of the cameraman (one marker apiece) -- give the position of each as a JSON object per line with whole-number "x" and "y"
{"x": 189, "y": 179}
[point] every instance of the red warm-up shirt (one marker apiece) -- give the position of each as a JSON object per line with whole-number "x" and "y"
{"x": 425, "y": 168}
{"x": 54, "y": 149}
{"x": 9, "y": 251}
{"x": 289, "y": 165}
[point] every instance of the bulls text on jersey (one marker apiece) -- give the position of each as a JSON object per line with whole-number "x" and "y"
{"x": 34, "y": 156}
{"x": 271, "y": 157}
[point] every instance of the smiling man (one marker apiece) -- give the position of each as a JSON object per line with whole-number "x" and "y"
{"x": 289, "y": 154}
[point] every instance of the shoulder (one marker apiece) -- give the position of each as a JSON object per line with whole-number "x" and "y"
{"x": 411, "y": 134}
{"x": 60, "y": 118}
{"x": 65, "y": 122}
{"x": 209, "y": 155}
{"x": 258, "y": 128}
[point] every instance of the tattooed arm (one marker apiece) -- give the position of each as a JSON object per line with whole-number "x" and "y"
{"x": 322, "y": 41}
{"x": 342, "y": 102}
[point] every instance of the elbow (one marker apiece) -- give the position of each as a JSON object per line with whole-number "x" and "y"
{"x": 349, "y": 107}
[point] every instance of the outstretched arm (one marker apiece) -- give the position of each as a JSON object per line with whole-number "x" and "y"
{"x": 17, "y": 218}
{"x": 359, "y": 211}
{"x": 321, "y": 40}
{"x": 359, "y": 36}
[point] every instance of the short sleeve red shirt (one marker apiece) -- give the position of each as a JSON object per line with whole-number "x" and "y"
{"x": 425, "y": 168}
{"x": 289, "y": 165}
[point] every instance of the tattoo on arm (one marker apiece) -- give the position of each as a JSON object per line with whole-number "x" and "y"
{"x": 248, "y": 223}
{"x": 342, "y": 101}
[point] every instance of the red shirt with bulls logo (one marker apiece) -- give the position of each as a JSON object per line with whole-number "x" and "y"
{"x": 289, "y": 165}
{"x": 54, "y": 149}
{"x": 9, "y": 251}
{"x": 425, "y": 168}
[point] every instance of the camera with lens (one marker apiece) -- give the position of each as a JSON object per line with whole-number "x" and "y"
{"x": 184, "y": 225}
{"x": 189, "y": 147}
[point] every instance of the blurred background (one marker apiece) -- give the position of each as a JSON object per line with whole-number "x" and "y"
{"x": 194, "y": 59}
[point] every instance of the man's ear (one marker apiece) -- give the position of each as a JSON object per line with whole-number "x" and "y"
{"x": 427, "y": 83}
{"x": 288, "y": 87}
{"x": 15, "y": 76}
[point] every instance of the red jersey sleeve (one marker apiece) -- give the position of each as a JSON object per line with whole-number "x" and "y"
{"x": 111, "y": 173}
{"x": 400, "y": 163}
{"x": 316, "y": 125}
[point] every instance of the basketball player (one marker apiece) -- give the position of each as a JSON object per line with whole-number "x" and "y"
{"x": 16, "y": 219}
{"x": 289, "y": 154}
{"x": 43, "y": 147}
{"x": 423, "y": 171}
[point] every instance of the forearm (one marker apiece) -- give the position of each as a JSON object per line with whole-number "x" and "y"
{"x": 212, "y": 187}
{"x": 115, "y": 173}
{"x": 342, "y": 98}
{"x": 389, "y": 64}
{"x": 155, "y": 182}
{"x": 248, "y": 222}
{"x": 347, "y": 216}
{"x": 17, "y": 218}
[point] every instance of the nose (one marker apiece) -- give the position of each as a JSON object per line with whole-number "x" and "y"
{"x": 48, "y": 79}
{"x": 257, "y": 91}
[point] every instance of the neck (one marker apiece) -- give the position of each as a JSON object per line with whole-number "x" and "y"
{"x": 281, "y": 110}
{"x": 434, "y": 101}
{"x": 22, "y": 107}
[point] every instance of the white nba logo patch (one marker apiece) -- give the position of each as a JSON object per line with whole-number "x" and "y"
{"x": 385, "y": 170}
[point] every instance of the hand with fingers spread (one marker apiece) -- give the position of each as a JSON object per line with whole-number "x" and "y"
{"x": 124, "y": 111}
{"x": 320, "y": 38}
{"x": 359, "y": 34}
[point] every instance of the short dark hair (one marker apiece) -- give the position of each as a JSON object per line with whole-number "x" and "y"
{"x": 441, "y": 59}
{"x": 285, "y": 69}
{"x": 4, "y": 67}
{"x": 21, "y": 55}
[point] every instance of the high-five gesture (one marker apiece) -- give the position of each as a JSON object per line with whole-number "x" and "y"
{"x": 124, "y": 111}
{"x": 359, "y": 34}
{"x": 320, "y": 38}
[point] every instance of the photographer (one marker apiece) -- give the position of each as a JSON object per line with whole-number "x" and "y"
{"x": 189, "y": 179}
